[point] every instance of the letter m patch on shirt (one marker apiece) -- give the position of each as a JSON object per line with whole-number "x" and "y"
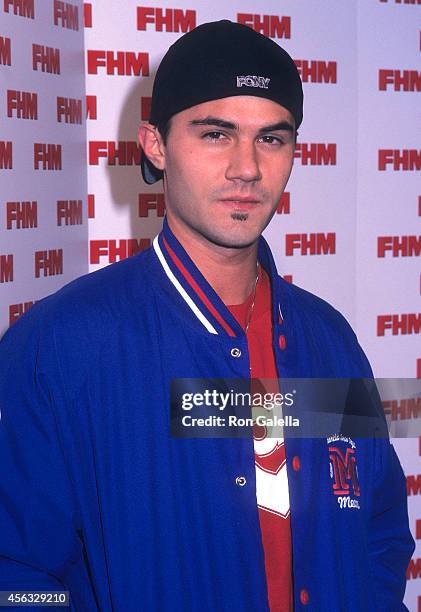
{"x": 343, "y": 468}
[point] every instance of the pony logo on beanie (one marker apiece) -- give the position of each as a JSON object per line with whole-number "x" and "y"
{"x": 253, "y": 81}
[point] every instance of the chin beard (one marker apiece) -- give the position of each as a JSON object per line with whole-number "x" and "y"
{"x": 238, "y": 216}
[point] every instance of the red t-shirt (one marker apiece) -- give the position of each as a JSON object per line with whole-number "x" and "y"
{"x": 271, "y": 476}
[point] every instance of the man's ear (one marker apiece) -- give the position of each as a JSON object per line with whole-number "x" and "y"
{"x": 151, "y": 142}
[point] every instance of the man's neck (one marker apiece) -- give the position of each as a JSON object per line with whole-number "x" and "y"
{"x": 231, "y": 272}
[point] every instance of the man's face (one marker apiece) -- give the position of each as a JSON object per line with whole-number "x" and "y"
{"x": 226, "y": 164}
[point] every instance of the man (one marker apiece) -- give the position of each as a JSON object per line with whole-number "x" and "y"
{"x": 95, "y": 496}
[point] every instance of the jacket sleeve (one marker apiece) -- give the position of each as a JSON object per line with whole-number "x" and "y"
{"x": 40, "y": 548}
{"x": 390, "y": 542}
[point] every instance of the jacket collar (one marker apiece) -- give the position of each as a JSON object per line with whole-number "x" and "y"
{"x": 195, "y": 290}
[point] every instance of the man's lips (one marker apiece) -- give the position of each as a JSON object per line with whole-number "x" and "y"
{"x": 242, "y": 199}
{"x": 240, "y": 203}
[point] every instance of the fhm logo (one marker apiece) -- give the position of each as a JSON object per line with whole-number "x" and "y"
{"x": 344, "y": 472}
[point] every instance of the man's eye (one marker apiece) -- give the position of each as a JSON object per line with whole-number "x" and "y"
{"x": 214, "y": 136}
{"x": 272, "y": 140}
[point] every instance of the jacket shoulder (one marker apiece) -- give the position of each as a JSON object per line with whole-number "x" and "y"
{"x": 73, "y": 324}
{"x": 314, "y": 306}
{"x": 97, "y": 297}
{"x": 328, "y": 327}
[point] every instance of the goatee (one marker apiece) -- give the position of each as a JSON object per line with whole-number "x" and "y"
{"x": 238, "y": 216}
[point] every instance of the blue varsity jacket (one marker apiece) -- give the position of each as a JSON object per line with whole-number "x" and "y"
{"x": 97, "y": 498}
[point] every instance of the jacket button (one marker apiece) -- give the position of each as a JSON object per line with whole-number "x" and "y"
{"x": 235, "y": 352}
{"x": 240, "y": 481}
{"x": 304, "y": 598}
{"x": 296, "y": 463}
{"x": 282, "y": 342}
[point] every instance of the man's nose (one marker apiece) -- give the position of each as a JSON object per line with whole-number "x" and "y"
{"x": 244, "y": 162}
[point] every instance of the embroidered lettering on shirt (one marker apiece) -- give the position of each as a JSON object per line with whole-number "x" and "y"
{"x": 344, "y": 472}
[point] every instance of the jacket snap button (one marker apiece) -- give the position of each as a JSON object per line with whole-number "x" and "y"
{"x": 240, "y": 481}
{"x": 304, "y": 598}
{"x": 282, "y": 342}
{"x": 235, "y": 352}
{"x": 296, "y": 463}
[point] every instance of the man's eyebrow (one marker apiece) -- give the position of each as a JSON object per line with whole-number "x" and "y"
{"x": 228, "y": 125}
{"x": 281, "y": 125}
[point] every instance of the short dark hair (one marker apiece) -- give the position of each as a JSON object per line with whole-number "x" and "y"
{"x": 163, "y": 128}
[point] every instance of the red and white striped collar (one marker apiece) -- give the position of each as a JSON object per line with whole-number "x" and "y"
{"x": 195, "y": 290}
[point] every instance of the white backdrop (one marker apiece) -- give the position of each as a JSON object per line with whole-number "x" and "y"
{"x": 348, "y": 228}
{"x": 43, "y": 229}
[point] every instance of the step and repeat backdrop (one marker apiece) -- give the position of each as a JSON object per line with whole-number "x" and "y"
{"x": 43, "y": 174}
{"x": 76, "y": 81}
